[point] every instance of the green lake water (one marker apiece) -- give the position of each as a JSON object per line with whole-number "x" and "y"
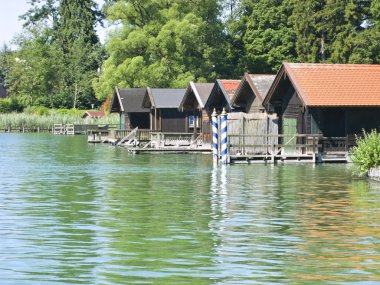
{"x": 75, "y": 213}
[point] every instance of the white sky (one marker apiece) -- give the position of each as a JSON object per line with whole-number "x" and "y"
{"x": 10, "y": 25}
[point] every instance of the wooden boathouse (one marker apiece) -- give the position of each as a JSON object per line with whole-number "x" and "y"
{"x": 193, "y": 102}
{"x": 320, "y": 109}
{"x": 221, "y": 95}
{"x": 128, "y": 102}
{"x": 251, "y": 93}
{"x": 165, "y": 115}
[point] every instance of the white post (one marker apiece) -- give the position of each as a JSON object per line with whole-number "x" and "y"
{"x": 215, "y": 136}
{"x": 223, "y": 127}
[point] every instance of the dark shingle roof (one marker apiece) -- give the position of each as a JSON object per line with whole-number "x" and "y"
{"x": 165, "y": 97}
{"x": 131, "y": 100}
{"x": 204, "y": 91}
{"x": 262, "y": 83}
{"x": 200, "y": 91}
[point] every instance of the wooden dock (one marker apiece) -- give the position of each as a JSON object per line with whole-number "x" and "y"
{"x": 146, "y": 141}
{"x": 179, "y": 150}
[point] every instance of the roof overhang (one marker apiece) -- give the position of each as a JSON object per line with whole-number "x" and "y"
{"x": 191, "y": 89}
{"x": 148, "y": 101}
{"x": 116, "y": 97}
{"x": 284, "y": 73}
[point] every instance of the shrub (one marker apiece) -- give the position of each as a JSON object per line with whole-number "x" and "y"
{"x": 8, "y": 105}
{"x": 366, "y": 153}
{"x": 5, "y": 105}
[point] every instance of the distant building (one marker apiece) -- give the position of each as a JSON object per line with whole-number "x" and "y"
{"x": 93, "y": 114}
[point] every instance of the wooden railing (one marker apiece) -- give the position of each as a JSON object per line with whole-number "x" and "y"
{"x": 141, "y": 134}
{"x": 299, "y": 144}
{"x": 162, "y": 139}
{"x": 91, "y": 128}
{"x": 273, "y": 144}
{"x": 334, "y": 144}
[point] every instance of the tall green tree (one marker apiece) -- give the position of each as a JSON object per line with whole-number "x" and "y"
{"x": 334, "y": 30}
{"x": 69, "y": 27}
{"x": 366, "y": 47}
{"x": 33, "y": 69}
{"x": 81, "y": 48}
{"x": 161, "y": 44}
{"x": 261, "y": 35}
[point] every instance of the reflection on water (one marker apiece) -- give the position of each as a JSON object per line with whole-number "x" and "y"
{"x": 73, "y": 213}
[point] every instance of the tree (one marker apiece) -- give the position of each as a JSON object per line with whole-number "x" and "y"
{"x": 5, "y": 63}
{"x": 366, "y": 47}
{"x": 33, "y": 69}
{"x": 338, "y": 31}
{"x": 261, "y": 36}
{"x": 69, "y": 44}
{"x": 161, "y": 44}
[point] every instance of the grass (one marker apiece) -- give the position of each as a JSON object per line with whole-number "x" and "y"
{"x": 14, "y": 121}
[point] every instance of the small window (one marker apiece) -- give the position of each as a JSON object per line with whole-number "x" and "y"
{"x": 193, "y": 121}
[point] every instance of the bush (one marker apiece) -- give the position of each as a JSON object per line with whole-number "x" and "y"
{"x": 5, "y": 105}
{"x": 366, "y": 153}
{"x": 8, "y": 105}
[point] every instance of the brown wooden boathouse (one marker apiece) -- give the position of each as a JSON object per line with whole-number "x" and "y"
{"x": 323, "y": 106}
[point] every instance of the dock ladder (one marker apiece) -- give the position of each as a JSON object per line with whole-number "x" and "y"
{"x": 130, "y": 139}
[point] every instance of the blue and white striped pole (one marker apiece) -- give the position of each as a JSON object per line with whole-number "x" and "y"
{"x": 223, "y": 127}
{"x": 215, "y": 155}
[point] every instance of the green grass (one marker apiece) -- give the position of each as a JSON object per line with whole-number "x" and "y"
{"x": 29, "y": 120}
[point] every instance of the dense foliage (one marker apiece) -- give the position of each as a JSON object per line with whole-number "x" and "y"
{"x": 366, "y": 154}
{"x": 58, "y": 55}
{"x": 166, "y": 43}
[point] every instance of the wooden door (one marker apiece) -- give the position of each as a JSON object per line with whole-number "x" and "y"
{"x": 290, "y": 139}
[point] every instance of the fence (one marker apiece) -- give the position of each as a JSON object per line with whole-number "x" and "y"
{"x": 119, "y": 134}
{"x": 277, "y": 145}
{"x": 252, "y": 131}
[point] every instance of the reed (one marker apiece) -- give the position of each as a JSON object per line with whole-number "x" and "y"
{"x": 20, "y": 121}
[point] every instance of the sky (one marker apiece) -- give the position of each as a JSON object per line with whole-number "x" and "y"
{"x": 10, "y": 25}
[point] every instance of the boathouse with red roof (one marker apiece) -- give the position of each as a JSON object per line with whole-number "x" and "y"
{"x": 221, "y": 95}
{"x": 333, "y": 100}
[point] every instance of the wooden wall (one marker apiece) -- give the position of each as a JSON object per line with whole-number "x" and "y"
{"x": 173, "y": 120}
{"x": 256, "y": 127}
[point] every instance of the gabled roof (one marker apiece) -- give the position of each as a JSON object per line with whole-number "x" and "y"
{"x": 161, "y": 98}
{"x": 225, "y": 88}
{"x": 93, "y": 114}
{"x": 259, "y": 84}
{"x": 229, "y": 87}
{"x": 129, "y": 100}
{"x": 201, "y": 92}
{"x": 331, "y": 85}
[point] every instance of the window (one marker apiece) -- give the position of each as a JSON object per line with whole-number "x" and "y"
{"x": 193, "y": 121}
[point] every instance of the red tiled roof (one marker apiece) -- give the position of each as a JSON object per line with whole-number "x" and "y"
{"x": 230, "y": 86}
{"x": 95, "y": 113}
{"x": 336, "y": 84}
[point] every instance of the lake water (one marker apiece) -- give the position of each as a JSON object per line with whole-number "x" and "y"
{"x": 74, "y": 213}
